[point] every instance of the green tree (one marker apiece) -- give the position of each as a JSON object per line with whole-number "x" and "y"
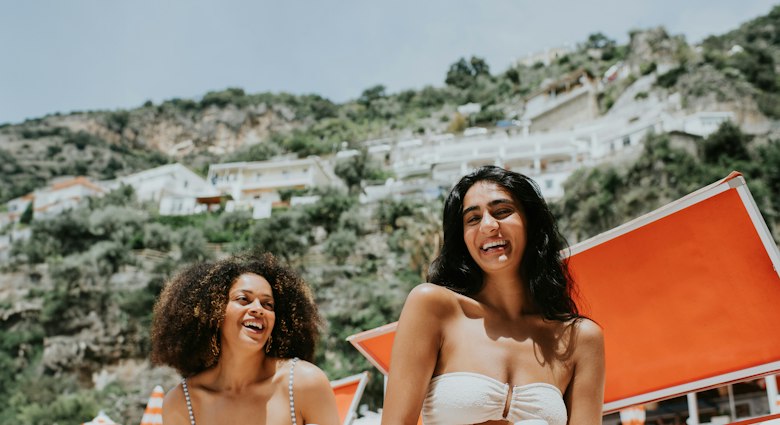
{"x": 464, "y": 73}
{"x": 327, "y": 211}
{"x": 599, "y": 41}
{"x": 27, "y": 215}
{"x": 758, "y": 67}
{"x": 357, "y": 169}
{"x": 193, "y": 245}
{"x": 341, "y": 244}
{"x": 372, "y": 94}
{"x": 726, "y": 145}
{"x": 285, "y": 234}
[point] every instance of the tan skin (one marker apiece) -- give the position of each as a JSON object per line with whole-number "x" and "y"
{"x": 497, "y": 333}
{"x": 246, "y": 386}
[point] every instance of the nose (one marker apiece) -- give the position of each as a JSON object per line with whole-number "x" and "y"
{"x": 488, "y": 224}
{"x": 256, "y": 308}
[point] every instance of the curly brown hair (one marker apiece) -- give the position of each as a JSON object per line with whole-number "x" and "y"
{"x": 189, "y": 313}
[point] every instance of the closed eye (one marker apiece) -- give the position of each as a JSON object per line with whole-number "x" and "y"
{"x": 473, "y": 219}
{"x": 504, "y": 212}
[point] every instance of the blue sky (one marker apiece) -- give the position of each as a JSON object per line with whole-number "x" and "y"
{"x": 62, "y": 56}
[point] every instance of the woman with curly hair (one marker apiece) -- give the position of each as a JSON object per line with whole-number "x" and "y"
{"x": 241, "y": 331}
{"x": 496, "y": 338}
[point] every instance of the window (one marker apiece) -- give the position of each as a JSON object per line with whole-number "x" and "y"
{"x": 626, "y": 141}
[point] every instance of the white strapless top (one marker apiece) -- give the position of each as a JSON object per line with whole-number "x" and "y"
{"x": 460, "y": 398}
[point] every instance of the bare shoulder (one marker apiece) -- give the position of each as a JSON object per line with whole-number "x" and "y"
{"x": 175, "y": 407}
{"x": 308, "y": 376}
{"x": 588, "y": 330}
{"x": 432, "y": 299}
{"x": 588, "y": 336}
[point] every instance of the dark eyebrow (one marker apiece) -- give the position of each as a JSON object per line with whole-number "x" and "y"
{"x": 250, "y": 292}
{"x": 490, "y": 204}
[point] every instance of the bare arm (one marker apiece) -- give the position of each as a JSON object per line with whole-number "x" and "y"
{"x": 415, "y": 352}
{"x": 314, "y": 397}
{"x": 585, "y": 394}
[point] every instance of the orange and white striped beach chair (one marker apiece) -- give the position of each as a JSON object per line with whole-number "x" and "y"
{"x": 153, "y": 411}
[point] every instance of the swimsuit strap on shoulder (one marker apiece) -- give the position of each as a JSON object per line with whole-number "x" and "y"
{"x": 292, "y": 400}
{"x": 187, "y": 399}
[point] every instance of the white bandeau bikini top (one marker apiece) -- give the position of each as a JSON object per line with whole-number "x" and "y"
{"x": 459, "y": 398}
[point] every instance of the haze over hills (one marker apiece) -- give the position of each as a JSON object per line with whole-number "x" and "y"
{"x": 76, "y": 298}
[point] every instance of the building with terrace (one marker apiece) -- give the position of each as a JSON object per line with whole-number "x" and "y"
{"x": 173, "y": 187}
{"x": 424, "y": 165}
{"x": 61, "y": 194}
{"x": 256, "y": 185}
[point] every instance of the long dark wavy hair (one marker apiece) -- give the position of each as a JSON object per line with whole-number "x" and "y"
{"x": 542, "y": 267}
{"x": 189, "y": 313}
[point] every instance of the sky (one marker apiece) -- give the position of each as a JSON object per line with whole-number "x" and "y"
{"x": 77, "y": 55}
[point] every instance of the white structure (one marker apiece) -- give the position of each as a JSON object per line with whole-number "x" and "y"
{"x": 174, "y": 187}
{"x": 16, "y": 208}
{"x": 256, "y": 185}
{"x": 469, "y": 108}
{"x": 62, "y": 194}
{"x": 548, "y": 157}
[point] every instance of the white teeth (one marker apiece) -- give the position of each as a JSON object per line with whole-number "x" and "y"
{"x": 253, "y": 323}
{"x": 492, "y": 244}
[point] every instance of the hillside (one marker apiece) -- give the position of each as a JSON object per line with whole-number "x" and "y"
{"x": 76, "y": 298}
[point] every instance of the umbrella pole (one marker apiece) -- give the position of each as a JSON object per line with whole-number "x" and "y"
{"x": 693, "y": 410}
{"x": 771, "y": 394}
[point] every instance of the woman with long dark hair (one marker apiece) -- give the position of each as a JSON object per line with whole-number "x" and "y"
{"x": 496, "y": 337}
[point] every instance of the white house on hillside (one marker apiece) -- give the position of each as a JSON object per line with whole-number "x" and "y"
{"x": 61, "y": 194}
{"x": 174, "y": 187}
{"x": 256, "y": 185}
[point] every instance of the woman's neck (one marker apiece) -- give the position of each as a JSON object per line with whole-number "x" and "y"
{"x": 236, "y": 371}
{"x": 506, "y": 293}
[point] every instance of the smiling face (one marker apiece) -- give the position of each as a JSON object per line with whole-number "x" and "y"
{"x": 494, "y": 227}
{"x": 249, "y": 315}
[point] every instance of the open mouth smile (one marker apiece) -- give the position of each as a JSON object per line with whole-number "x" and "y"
{"x": 255, "y": 326}
{"x": 493, "y": 246}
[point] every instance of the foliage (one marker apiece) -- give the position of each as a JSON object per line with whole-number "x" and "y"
{"x": 229, "y": 96}
{"x": 359, "y": 168}
{"x": 458, "y": 124}
{"x": 193, "y": 245}
{"x": 670, "y": 78}
{"x": 326, "y": 212}
{"x": 286, "y": 235}
{"x": 464, "y": 73}
{"x": 726, "y": 145}
{"x": 257, "y": 152}
{"x": 341, "y": 244}
{"x": 27, "y": 215}
{"x": 601, "y": 198}
{"x": 388, "y": 212}
{"x": 158, "y": 236}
